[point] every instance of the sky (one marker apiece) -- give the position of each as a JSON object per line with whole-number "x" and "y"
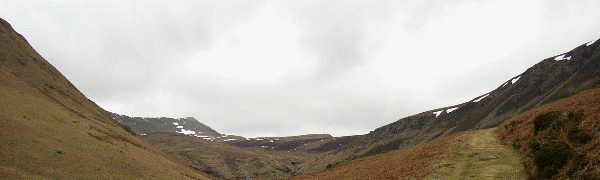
{"x": 282, "y": 68}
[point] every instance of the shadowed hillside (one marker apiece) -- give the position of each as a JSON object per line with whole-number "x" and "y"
{"x": 51, "y": 130}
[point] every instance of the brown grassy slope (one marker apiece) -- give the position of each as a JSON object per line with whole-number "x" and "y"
{"x": 413, "y": 163}
{"x": 570, "y": 137}
{"x": 48, "y": 129}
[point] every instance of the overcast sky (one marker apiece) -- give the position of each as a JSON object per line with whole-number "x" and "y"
{"x": 280, "y": 68}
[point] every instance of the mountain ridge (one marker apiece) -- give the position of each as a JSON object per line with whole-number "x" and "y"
{"x": 550, "y": 79}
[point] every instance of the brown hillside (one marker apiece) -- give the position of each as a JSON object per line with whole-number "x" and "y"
{"x": 413, "y": 163}
{"x": 559, "y": 140}
{"x": 51, "y": 130}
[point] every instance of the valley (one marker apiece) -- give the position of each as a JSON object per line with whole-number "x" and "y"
{"x": 541, "y": 124}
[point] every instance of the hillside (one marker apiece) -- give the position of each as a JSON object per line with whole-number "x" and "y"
{"x": 51, "y": 130}
{"x": 560, "y": 140}
{"x": 466, "y": 155}
{"x": 551, "y": 79}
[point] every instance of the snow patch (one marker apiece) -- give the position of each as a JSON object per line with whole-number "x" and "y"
{"x": 515, "y": 79}
{"x": 176, "y": 124}
{"x": 480, "y": 98}
{"x": 562, "y": 57}
{"x": 143, "y": 134}
{"x": 229, "y": 140}
{"x": 451, "y": 109}
{"x": 179, "y": 127}
{"x": 506, "y": 83}
{"x": 437, "y": 113}
{"x": 273, "y": 141}
{"x": 187, "y": 132}
{"x": 590, "y": 43}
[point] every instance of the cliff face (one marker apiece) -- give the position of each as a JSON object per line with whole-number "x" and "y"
{"x": 51, "y": 130}
{"x": 551, "y": 79}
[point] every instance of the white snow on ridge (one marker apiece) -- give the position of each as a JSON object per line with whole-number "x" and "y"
{"x": 505, "y": 84}
{"x": 515, "y": 79}
{"x": 591, "y": 42}
{"x": 187, "y": 132}
{"x": 229, "y": 140}
{"x": 437, "y": 113}
{"x": 562, "y": 57}
{"x": 479, "y": 99}
{"x": 451, "y": 109}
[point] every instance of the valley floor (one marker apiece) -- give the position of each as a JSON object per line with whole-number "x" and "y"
{"x": 479, "y": 155}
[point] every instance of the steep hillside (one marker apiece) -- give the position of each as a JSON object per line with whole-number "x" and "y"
{"x": 50, "y": 130}
{"x": 547, "y": 81}
{"x": 187, "y": 125}
{"x": 560, "y": 140}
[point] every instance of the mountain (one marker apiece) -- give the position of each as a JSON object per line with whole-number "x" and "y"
{"x": 559, "y": 140}
{"x": 50, "y": 130}
{"x": 551, "y": 79}
{"x": 187, "y": 125}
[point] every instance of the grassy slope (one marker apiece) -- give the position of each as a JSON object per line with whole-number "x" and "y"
{"x": 413, "y": 163}
{"x": 49, "y": 129}
{"x": 579, "y": 156}
{"x": 479, "y": 155}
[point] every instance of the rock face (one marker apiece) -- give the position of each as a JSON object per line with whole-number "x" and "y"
{"x": 549, "y": 80}
{"x": 50, "y": 130}
{"x": 188, "y": 125}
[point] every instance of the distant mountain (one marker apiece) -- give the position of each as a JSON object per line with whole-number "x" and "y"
{"x": 551, "y": 79}
{"x": 189, "y": 125}
{"x": 50, "y": 130}
{"x": 237, "y": 157}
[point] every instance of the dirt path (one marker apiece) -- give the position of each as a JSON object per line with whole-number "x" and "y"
{"x": 479, "y": 155}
